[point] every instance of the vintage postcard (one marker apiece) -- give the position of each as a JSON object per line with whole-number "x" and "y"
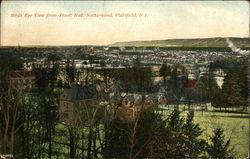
{"x": 124, "y": 79}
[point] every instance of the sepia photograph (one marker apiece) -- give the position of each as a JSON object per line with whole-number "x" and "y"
{"x": 126, "y": 79}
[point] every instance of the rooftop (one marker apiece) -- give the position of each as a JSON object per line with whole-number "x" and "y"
{"x": 77, "y": 93}
{"x": 190, "y": 83}
{"x": 21, "y": 74}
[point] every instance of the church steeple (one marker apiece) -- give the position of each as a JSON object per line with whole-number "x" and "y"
{"x": 18, "y": 48}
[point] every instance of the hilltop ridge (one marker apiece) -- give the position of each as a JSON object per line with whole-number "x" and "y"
{"x": 199, "y": 42}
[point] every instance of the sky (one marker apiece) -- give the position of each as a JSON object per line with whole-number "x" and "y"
{"x": 160, "y": 20}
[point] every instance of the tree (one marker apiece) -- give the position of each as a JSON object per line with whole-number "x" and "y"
{"x": 165, "y": 71}
{"x": 70, "y": 72}
{"x": 174, "y": 73}
{"x": 172, "y": 139}
{"x": 234, "y": 89}
{"x": 141, "y": 77}
{"x": 46, "y": 80}
{"x": 154, "y": 137}
{"x": 131, "y": 139}
{"x": 138, "y": 77}
{"x": 194, "y": 146}
{"x": 9, "y": 107}
{"x": 176, "y": 82}
{"x": 225, "y": 64}
{"x": 219, "y": 149}
{"x": 218, "y": 100}
{"x": 209, "y": 91}
{"x": 181, "y": 139}
{"x": 9, "y": 102}
{"x": 30, "y": 135}
{"x": 53, "y": 58}
{"x": 10, "y": 61}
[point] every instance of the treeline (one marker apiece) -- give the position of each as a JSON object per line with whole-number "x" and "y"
{"x": 234, "y": 91}
{"x": 135, "y": 78}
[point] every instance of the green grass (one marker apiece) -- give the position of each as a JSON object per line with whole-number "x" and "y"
{"x": 235, "y": 125}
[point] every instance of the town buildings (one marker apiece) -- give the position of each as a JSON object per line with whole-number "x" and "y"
{"x": 22, "y": 80}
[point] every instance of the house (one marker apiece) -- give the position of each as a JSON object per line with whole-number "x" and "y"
{"x": 167, "y": 98}
{"x": 192, "y": 89}
{"x": 22, "y": 80}
{"x": 77, "y": 104}
{"x": 162, "y": 100}
{"x": 190, "y": 83}
{"x": 127, "y": 107}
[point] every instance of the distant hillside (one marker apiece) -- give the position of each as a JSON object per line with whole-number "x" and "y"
{"x": 206, "y": 42}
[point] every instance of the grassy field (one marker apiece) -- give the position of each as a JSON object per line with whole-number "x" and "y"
{"x": 235, "y": 125}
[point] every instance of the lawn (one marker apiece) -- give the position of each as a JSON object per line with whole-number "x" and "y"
{"x": 235, "y": 125}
